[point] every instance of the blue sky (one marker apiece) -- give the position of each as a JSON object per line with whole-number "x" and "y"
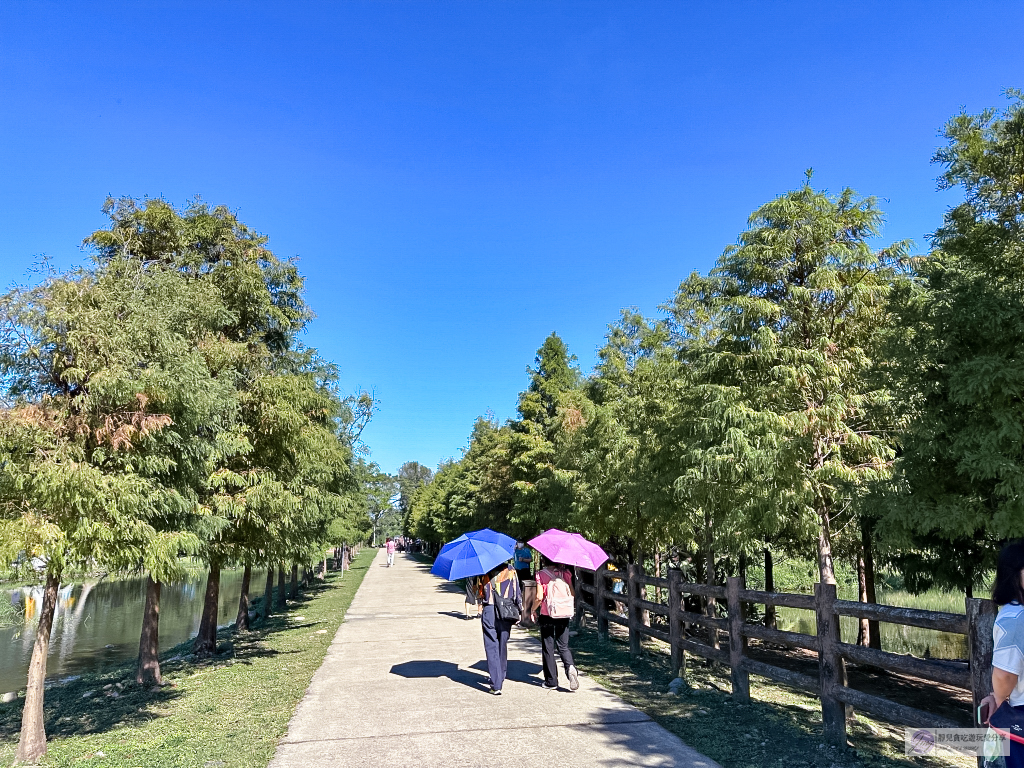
{"x": 459, "y": 179}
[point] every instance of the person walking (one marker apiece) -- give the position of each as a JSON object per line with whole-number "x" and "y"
{"x": 500, "y": 584}
{"x": 1004, "y": 707}
{"x": 557, "y": 602}
{"x": 472, "y": 589}
{"x": 524, "y": 561}
{"x": 391, "y": 551}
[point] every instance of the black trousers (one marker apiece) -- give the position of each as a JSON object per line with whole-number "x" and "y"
{"x": 554, "y": 637}
{"x": 496, "y": 632}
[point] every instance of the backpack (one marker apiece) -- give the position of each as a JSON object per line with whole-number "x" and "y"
{"x": 558, "y": 598}
{"x": 505, "y": 608}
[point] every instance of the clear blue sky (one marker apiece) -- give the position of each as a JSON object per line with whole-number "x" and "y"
{"x": 459, "y": 179}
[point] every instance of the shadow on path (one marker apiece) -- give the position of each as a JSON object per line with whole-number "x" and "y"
{"x": 438, "y": 668}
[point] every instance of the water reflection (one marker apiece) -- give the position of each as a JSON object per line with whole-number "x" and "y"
{"x": 97, "y": 624}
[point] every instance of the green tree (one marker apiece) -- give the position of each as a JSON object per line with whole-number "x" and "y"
{"x": 959, "y": 487}
{"x": 611, "y": 439}
{"x": 542, "y": 491}
{"x": 803, "y": 300}
{"x": 411, "y": 477}
{"x": 92, "y": 363}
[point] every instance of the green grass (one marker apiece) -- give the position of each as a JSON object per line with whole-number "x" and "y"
{"x": 798, "y": 575}
{"x": 227, "y": 711}
{"x": 778, "y": 728}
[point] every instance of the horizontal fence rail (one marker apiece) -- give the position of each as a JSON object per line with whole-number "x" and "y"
{"x": 723, "y": 639}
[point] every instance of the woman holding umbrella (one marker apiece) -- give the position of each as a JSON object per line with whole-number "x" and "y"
{"x": 502, "y": 600}
{"x": 483, "y": 555}
{"x": 557, "y": 602}
{"x": 557, "y": 599}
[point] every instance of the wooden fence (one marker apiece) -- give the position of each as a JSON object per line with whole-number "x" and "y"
{"x": 830, "y": 684}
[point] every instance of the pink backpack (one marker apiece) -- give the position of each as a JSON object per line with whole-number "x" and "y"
{"x": 558, "y": 597}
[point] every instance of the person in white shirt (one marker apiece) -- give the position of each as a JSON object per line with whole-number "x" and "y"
{"x": 1008, "y": 643}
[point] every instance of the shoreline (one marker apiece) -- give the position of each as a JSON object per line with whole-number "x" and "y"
{"x": 232, "y": 707}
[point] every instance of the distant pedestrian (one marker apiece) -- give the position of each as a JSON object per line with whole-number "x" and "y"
{"x": 472, "y": 588}
{"x": 524, "y": 562}
{"x": 391, "y": 551}
{"x": 500, "y": 584}
{"x": 557, "y": 602}
{"x": 1003, "y": 709}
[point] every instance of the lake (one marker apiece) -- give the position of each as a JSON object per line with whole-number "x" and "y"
{"x": 97, "y": 624}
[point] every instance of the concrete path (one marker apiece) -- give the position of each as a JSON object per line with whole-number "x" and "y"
{"x": 405, "y": 684}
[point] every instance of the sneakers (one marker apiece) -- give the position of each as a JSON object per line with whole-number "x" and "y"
{"x": 496, "y": 692}
{"x": 574, "y": 679}
{"x": 547, "y": 687}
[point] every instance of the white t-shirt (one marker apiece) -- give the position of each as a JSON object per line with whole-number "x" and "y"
{"x": 1008, "y": 647}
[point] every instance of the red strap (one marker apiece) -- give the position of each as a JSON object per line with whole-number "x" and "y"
{"x": 1008, "y": 735}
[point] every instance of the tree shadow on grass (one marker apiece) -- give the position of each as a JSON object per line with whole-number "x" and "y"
{"x": 69, "y": 713}
{"x": 782, "y": 730}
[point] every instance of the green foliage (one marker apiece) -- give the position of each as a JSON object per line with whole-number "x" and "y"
{"x": 802, "y": 300}
{"x": 411, "y": 477}
{"x": 960, "y": 476}
{"x": 813, "y": 393}
{"x": 469, "y": 494}
{"x": 541, "y": 491}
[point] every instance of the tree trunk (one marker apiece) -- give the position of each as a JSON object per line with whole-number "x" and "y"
{"x": 874, "y": 635}
{"x": 769, "y": 586}
{"x": 242, "y": 619}
{"x": 148, "y": 672}
{"x": 281, "y": 597}
{"x": 709, "y": 576}
{"x": 826, "y": 569}
{"x": 743, "y": 567}
{"x": 657, "y": 573}
{"x": 268, "y": 592}
{"x": 295, "y": 581}
{"x": 32, "y": 744}
{"x": 206, "y": 640}
{"x": 863, "y": 631}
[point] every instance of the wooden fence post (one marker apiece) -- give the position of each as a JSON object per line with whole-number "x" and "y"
{"x": 980, "y": 616}
{"x": 599, "y": 589}
{"x": 633, "y": 588}
{"x": 830, "y": 664}
{"x": 675, "y": 626}
{"x": 581, "y": 596}
{"x": 737, "y": 642}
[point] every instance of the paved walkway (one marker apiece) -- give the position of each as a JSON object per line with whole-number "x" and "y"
{"x": 405, "y": 684}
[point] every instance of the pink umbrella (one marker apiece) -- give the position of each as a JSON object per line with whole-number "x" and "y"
{"x": 569, "y": 549}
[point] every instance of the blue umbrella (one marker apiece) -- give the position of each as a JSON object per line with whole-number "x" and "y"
{"x": 472, "y": 554}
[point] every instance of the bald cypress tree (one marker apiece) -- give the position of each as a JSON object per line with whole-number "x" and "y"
{"x": 960, "y": 477}
{"x": 802, "y": 298}
{"x": 94, "y": 363}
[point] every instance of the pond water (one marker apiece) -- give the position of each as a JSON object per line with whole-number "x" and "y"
{"x": 97, "y": 624}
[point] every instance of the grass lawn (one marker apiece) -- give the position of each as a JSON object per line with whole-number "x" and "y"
{"x": 779, "y": 727}
{"x": 226, "y": 712}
